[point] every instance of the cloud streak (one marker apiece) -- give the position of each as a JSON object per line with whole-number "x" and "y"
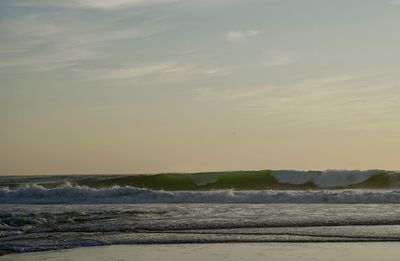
{"x": 348, "y": 101}
{"x": 49, "y": 44}
{"x": 117, "y": 4}
{"x": 278, "y": 59}
{"x": 157, "y": 69}
{"x": 235, "y": 36}
{"x": 95, "y": 4}
{"x": 173, "y": 70}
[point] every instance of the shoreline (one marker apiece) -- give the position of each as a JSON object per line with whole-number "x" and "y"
{"x": 233, "y": 251}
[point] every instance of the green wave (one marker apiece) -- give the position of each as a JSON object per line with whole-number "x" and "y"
{"x": 196, "y": 181}
{"x": 248, "y": 180}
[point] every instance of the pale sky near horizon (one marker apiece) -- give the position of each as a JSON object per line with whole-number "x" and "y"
{"x": 145, "y": 86}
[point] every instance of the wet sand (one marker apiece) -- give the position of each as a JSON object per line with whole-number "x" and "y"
{"x": 200, "y": 252}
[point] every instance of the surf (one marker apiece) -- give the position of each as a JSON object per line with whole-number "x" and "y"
{"x": 237, "y": 180}
{"x": 70, "y": 194}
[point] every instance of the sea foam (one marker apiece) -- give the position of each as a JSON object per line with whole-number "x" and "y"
{"x": 69, "y": 194}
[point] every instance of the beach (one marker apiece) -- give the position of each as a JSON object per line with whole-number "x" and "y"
{"x": 199, "y": 252}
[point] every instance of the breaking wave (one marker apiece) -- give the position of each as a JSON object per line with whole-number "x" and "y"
{"x": 69, "y": 194}
{"x": 237, "y": 180}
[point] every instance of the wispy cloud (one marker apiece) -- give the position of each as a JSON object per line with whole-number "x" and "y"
{"x": 341, "y": 100}
{"x": 278, "y": 59}
{"x": 304, "y": 87}
{"x": 22, "y": 34}
{"x": 95, "y": 4}
{"x": 117, "y": 4}
{"x": 240, "y": 35}
{"x": 157, "y": 69}
{"x": 39, "y": 42}
{"x": 174, "y": 70}
{"x": 230, "y": 94}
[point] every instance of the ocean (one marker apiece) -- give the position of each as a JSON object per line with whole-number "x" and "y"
{"x": 59, "y": 212}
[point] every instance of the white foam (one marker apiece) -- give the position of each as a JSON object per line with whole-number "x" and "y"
{"x": 119, "y": 195}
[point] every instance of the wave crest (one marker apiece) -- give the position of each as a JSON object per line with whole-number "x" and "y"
{"x": 122, "y": 195}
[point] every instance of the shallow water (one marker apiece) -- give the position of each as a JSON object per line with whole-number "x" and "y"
{"x": 26, "y": 228}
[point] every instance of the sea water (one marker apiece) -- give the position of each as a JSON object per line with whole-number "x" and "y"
{"x": 26, "y": 228}
{"x": 49, "y": 213}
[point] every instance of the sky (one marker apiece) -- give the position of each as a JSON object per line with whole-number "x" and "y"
{"x": 149, "y": 86}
